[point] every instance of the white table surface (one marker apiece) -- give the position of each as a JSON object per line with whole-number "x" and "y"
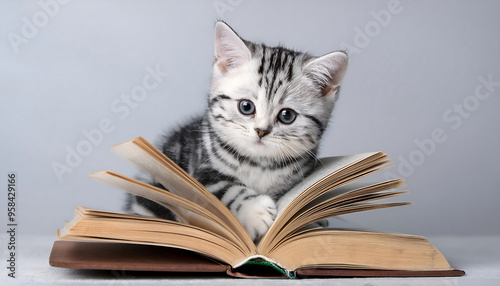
{"x": 478, "y": 256}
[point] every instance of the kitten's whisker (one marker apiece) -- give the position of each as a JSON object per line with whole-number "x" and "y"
{"x": 292, "y": 159}
{"x": 309, "y": 152}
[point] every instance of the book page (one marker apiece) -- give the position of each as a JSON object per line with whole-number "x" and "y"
{"x": 334, "y": 172}
{"x": 327, "y": 166}
{"x": 359, "y": 250}
{"x": 351, "y": 197}
{"x": 100, "y": 225}
{"x": 186, "y": 210}
{"x": 150, "y": 160}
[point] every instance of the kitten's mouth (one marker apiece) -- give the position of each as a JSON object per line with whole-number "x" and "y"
{"x": 259, "y": 142}
{"x": 258, "y": 149}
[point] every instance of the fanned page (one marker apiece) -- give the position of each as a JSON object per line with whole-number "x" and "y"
{"x": 187, "y": 211}
{"x": 151, "y": 161}
{"x": 326, "y": 167}
{"x": 349, "y": 198}
{"x": 332, "y": 173}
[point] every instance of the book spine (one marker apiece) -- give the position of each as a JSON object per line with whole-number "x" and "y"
{"x": 252, "y": 259}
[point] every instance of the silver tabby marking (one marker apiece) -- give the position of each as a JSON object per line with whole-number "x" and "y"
{"x": 267, "y": 110}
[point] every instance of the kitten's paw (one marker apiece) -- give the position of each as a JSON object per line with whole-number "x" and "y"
{"x": 257, "y": 215}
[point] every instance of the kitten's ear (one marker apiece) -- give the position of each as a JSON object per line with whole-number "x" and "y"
{"x": 230, "y": 50}
{"x": 327, "y": 71}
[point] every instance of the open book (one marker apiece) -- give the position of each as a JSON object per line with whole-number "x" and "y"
{"x": 292, "y": 247}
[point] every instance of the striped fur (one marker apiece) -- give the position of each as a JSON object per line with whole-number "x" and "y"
{"x": 250, "y": 161}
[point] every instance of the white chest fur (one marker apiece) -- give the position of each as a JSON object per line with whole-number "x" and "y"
{"x": 263, "y": 180}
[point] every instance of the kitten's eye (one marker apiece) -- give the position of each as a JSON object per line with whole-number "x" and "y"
{"x": 246, "y": 107}
{"x": 287, "y": 115}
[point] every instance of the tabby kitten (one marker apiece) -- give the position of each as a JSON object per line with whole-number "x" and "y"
{"x": 267, "y": 110}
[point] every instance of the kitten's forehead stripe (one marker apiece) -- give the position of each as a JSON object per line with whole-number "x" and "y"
{"x": 263, "y": 61}
{"x": 290, "y": 68}
{"x": 285, "y": 60}
{"x": 276, "y": 67}
{"x": 267, "y": 72}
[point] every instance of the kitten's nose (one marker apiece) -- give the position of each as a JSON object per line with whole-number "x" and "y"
{"x": 262, "y": 132}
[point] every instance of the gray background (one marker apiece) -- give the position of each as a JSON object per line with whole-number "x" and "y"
{"x": 402, "y": 79}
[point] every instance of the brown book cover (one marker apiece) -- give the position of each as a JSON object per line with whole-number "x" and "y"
{"x": 134, "y": 257}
